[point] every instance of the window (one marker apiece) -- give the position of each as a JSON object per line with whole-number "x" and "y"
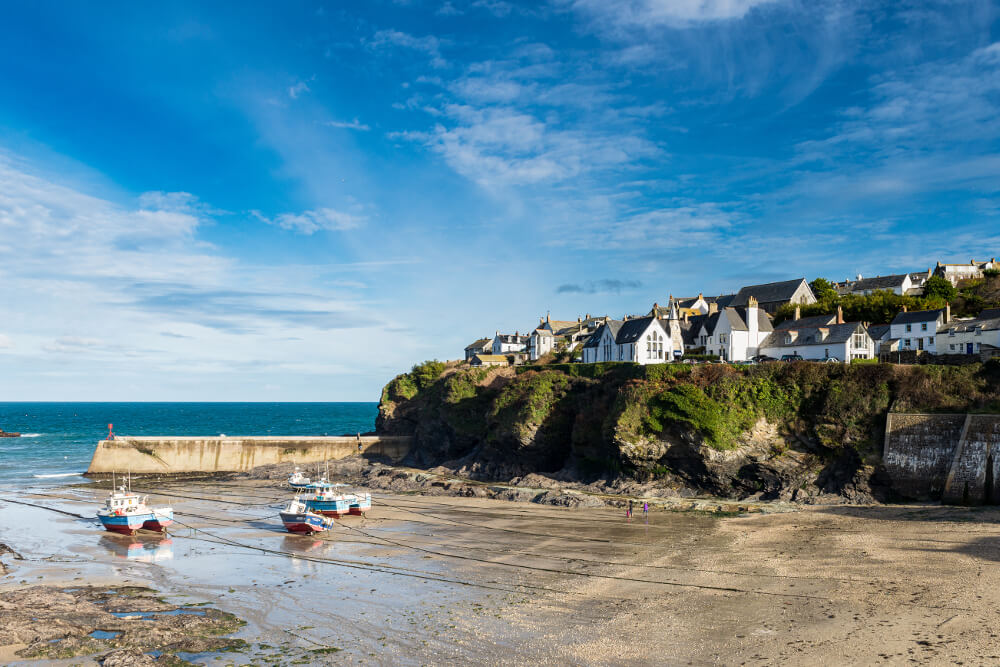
{"x": 906, "y": 342}
{"x": 909, "y": 328}
{"x": 923, "y": 326}
{"x": 930, "y": 341}
{"x": 951, "y": 347}
{"x": 951, "y": 332}
{"x": 859, "y": 342}
{"x": 979, "y": 332}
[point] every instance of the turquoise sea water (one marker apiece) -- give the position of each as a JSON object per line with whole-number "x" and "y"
{"x": 58, "y": 439}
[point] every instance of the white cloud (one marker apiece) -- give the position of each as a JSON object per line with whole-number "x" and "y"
{"x": 6, "y": 343}
{"x": 348, "y": 125}
{"x": 429, "y": 45}
{"x": 297, "y": 89}
{"x": 310, "y": 222}
{"x": 647, "y": 13}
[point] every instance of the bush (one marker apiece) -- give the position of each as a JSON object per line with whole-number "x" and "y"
{"x": 939, "y": 288}
{"x": 425, "y": 374}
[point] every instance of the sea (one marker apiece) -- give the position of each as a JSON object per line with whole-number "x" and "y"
{"x": 58, "y": 439}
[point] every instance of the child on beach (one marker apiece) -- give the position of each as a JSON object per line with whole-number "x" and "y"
{"x": 628, "y": 512}
{"x": 645, "y": 509}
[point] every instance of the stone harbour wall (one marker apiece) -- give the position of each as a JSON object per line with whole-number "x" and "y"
{"x": 169, "y": 455}
{"x": 954, "y": 457}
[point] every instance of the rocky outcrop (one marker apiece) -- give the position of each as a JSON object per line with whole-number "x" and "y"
{"x": 801, "y": 432}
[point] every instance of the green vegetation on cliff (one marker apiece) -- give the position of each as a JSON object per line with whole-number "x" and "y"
{"x": 662, "y": 419}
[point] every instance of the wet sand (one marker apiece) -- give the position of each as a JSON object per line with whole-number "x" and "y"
{"x": 431, "y": 580}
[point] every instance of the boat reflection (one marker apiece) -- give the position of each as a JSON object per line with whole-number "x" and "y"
{"x": 302, "y": 544}
{"x": 144, "y": 549}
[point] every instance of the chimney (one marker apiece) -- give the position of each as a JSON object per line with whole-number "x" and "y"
{"x": 753, "y": 324}
{"x": 685, "y": 316}
{"x": 578, "y": 320}
{"x": 859, "y": 276}
{"x": 840, "y": 314}
{"x": 547, "y": 317}
{"x": 713, "y": 308}
{"x": 904, "y": 308}
{"x": 700, "y": 295}
{"x": 947, "y": 313}
{"x": 798, "y": 312}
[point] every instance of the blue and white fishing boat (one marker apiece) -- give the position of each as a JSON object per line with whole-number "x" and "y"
{"x": 329, "y": 502}
{"x": 297, "y": 480}
{"x": 126, "y": 512}
{"x": 298, "y": 518}
{"x": 362, "y": 503}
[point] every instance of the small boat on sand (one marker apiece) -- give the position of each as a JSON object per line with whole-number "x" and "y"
{"x": 7, "y": 434}
{"x": 126, "y": 513}
{"x": 298, "y": 518}
{"x": 297, "y": 480}
{"x": 330, "y": 500}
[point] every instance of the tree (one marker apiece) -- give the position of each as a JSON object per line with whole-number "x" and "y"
{"x": 823, "y": 289}
{"x": 937, "y": 287}
{"x": 424, "y": 374}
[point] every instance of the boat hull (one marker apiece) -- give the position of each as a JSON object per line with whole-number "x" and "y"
{"x": 159, "y": 521}
{"x": 125, "y": 525}
{"x": 334, "y": 508}
{"x": 303, "y": 522}
{"x": 361, "y": 505}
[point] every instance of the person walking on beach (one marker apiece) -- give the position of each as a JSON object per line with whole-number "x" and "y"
{"x": 645, "y": 509}
{"x": 359, "y": 443}
{"x": 628, "y": 512}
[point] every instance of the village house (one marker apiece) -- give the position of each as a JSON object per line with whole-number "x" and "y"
{"x": 900, "y": 284}
{"x": 880, "y": 334}
{"x": 481, "y": 346}
{"x": 643, "y": 340}
{"x": 957, "y": 272}
{"x": 485, "y": 360}
{"x": 770, "y": 296}
{"x": 504, "y": 343}
{"x": 916, "y": 330}
{"x": 691, "y": 306}
{"x": 841, "y": 341}
{"x": 568, "y": 334}
{"x": 979, "y": 336}
{"x": 733, "y": 333}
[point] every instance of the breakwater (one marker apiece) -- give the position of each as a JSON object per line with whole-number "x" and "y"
{"x": 954, "y": 457}
{"x": 171, "y": 455}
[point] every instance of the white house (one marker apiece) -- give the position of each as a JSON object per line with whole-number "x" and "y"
{"x": 642, "y": 340}
{"x": 957, "y": 272}
{"x": 898, "y": 284}
{"x": 550, "y": 332}
{"x": 734, "y": 333}
{"x": 770, "y": 296}
{"x": 842, "y": 342}
{"x": 976, "y": 336}
{"x": 880, "y": 335}
{"x": 505, "y": 343}
{"x": 693, "y": 305}
{"x": 916, "y": 330}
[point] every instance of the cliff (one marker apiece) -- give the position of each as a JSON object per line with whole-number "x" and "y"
{"x": 798, "y": 431}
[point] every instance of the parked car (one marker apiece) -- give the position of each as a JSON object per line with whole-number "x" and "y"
{"x": 831, "y": 360}
{"x": 761, "y": 358}
{"x": 792, "y": 357}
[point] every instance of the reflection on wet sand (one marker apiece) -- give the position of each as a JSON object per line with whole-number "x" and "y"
{"x": 303, "y": 544}
{"x": 139, "y": 548}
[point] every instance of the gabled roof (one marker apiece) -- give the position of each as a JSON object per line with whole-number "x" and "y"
{"x": 835, "y": 333}
{"x": 482, "y": 342}
{"x": 877, "y": 283}
{"x": 737, "y": 318}
{"x": 768, "y": 292}
{"x": 918, "y": 316}
{"x": 612, "y": 325}
{"x": 879, "y": 331}
{"x": 806, "y": 322}
{"x": 632, "y": 330}
{"x": 689, "y": 301}
{"x": 989, "y": 323}
{"x": 722, "y": 301}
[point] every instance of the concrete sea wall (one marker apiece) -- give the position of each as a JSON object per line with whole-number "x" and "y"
{"x": 954, "y": 457}
{"x": 170, "y": 455}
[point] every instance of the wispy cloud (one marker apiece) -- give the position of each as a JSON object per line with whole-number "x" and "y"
{"x": 348, "y": 125}
{"x": 297, "y": 89}
{"x": 428, "y": 45}
{"x": 310, "y": 222}
{"x": 605, "y": 286}
{"x": 646, "y": 13}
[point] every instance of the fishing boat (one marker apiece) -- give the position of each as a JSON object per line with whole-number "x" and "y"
{"x": 329, "y": 501}
{"x": 362, "y": 503}
{"x": 298, "y": 518}
{"x": 297, "y": 480}
{"x": 126, "y": 513}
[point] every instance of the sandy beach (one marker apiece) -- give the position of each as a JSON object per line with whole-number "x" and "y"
{"x": 432, "y": 580}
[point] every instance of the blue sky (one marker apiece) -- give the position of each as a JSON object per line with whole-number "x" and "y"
{"x": 295, "y": 201}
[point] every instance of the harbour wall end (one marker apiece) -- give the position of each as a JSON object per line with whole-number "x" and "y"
{"x": 169, "y": 455}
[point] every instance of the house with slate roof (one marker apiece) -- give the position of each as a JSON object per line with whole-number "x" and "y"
{"x": 481, "y": 346}
{"x": 642, "y": 340}
{"x": 482, "y": 360}
{"x": 880, "y": 334}
{"x": 841, "y": 341}
{"x": 549, "y": 333}
{"x": 506, "y": 343}
{"x": 897, "y": 284}
{"x": 771, "y": 296}
{"x": 734, "y": 333}
{"x": 956, "y": 272}
{"x": 979, "y": 336}
{"x": 916, "y": 330}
